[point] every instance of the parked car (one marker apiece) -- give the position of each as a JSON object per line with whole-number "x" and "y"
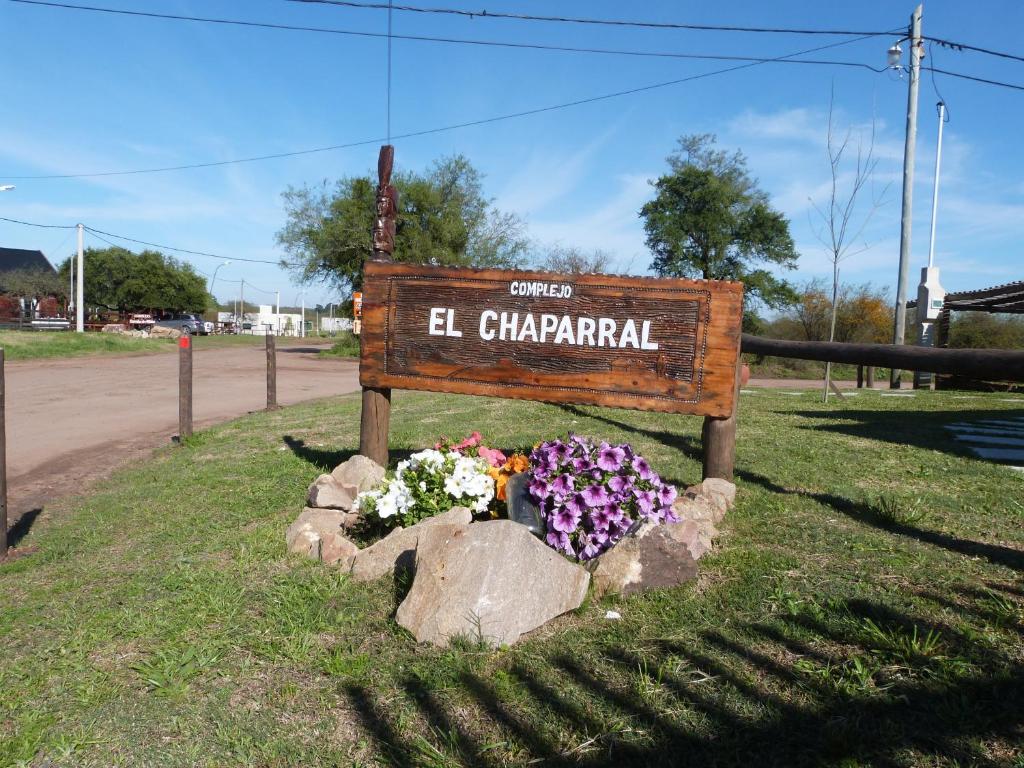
{"x": 190, "y": 324}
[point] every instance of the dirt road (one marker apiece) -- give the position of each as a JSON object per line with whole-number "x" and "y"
{"x": 71, "y": 421}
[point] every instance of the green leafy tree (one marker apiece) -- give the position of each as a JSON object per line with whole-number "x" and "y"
{"x": 710, "y": 220}
{"x": 117, "y": 279}
{"x": 980, "y": 330}
{"x": 443, "y": 218}
{"x": 32, "y": 283}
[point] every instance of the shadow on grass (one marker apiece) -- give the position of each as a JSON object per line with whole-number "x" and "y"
{"x": 21, "y": 528}
{"x": 326, "y": 460}
{"x": 869, "y": 691}
{"x": 858, "y": 510}
{"x": 921, "y": 429}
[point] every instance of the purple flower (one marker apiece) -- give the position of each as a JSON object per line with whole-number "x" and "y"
{"x": 560, "y": 541}
{"x": 561, "y": 451}
{"x": 591, "y": 548}
{"x": 539, "y": 488}
{"x": 603, "y": 517}
{"x": 643, "y": 469}
{"x": 620, "y": 483}
{"x": 563, "y": 485}
{"x": 667, "y": 494}
{"x": 669, "y": 515}
{"x": 610, "y": 457}
{"x": 645, "y": 501}
{"x": 576, "y": 504}
{"x": 581, "y": 465}
{"x": 595, "y": 495}
{"x": 565, "y": 520}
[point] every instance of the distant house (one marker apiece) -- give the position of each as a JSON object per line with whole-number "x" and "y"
{"x": 29, "y": 286}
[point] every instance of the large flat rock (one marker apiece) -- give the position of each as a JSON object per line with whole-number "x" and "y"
{"x": 491, "y": 582}
{"x": 397, "y": 550}
{"x": 653, "y": 557}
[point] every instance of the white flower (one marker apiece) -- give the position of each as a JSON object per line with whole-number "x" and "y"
{"x": 423, "y": 485}
{"x": 428, "y": 458}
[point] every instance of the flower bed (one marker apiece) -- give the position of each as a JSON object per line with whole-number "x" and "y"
{"x": 589, "y": 494}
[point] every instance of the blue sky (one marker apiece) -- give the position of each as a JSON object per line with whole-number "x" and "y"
{"x": 86, "y": 92}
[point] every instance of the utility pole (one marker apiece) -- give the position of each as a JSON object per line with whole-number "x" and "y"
{"x": 241, "y": 301}
{"x": 71, "y": 288}
{"x": 302, "y": 325}
{"x": 80, "y": 298}
{"x": 900, "y": 327}
{"x": 930, "y": 294}
{"x": 277, "y": 311}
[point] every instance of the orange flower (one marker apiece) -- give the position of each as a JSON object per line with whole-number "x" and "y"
{"x": 500, "y": 484}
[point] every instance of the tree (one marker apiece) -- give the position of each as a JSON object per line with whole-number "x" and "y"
{"x": 862, "y": 314}
{"x": 117, "y": 279}
{"x": 575, "y": 261}
{"x": 842, "y": 217}
{"x": 981, "y": 330}
{"x": 710, "y": 220}
{"x": 443, "y": 218}
{"x": 32, "y": 283}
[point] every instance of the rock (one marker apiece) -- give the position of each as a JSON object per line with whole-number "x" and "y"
{"x": 113, "y": 328}
{"x": 163, "y": 332}
{"x": 328, "y": 493}
{"x": 715, "y": 487}
{"x": 317, "y": 533}
{"x": 397, "y": 550}
{"x": 651, "y": 557}
{"x": 490, "y": 581}
{"x": 359, "y": 471}
{"x": 700, "y": 505}
{"x": 692, "y": 535}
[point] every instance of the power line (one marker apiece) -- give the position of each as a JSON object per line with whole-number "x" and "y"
{"x": 41, "y": 226}
{"x": 977, "y": 49}
{"x": 787, "y": 58}
{"x": 485, "y": 14}
{"x": 1001, "y": 84}
{"x": 185, "y": 250}
{"x": 429, "y": 38}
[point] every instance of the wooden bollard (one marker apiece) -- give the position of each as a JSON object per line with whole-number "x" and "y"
{"x": 374, "y": 424}
{"x": 860, "y": 377}
{"x": 3, "y": 458}
{"x": 184, "y": 386}
{"x": 718, "y": 438}
{"x": 271, "y": 372}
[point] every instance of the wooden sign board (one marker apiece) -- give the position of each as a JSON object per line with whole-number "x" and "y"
{"x": 651, "y": 344}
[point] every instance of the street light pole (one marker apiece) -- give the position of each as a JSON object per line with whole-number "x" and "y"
{"x": 80, "y": 298}
{"x": 213, "y": 280}
{"x": 900, "y": 325}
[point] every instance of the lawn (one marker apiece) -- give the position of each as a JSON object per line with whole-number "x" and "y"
{"x": 34, "y": 345}
{"x": 864, "y": 606}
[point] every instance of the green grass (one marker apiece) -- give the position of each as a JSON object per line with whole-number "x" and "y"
{"x": 345, "y": 344}
{"x": 864, "y": 606}
{"x": 34, "y": 345}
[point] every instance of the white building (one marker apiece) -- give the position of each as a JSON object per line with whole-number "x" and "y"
{"x": 265, "y": 321}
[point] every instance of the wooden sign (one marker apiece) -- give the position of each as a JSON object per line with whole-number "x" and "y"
{"x": 651, "y": 344}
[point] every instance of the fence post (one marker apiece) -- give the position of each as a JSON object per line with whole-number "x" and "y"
{"x": 718, "y": 438}
{"x": 860, "y": 377}
{"x": 271, "y": 372}
{"x": 871, "y": 377}
{"x": 184, "y": 386}
{"x": 375, "y": 418}
{"x": 3, "y": 458}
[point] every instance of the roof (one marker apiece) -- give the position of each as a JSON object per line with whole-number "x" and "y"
{"x": 999, "y": 298}
{"x": 21, "y": 258}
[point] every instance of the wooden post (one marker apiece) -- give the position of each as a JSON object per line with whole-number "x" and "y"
{"x": 375, "y": 419}
{"x": 860, "y": 377}
{"x": 3, "y": 458}
{"x": 271, "y": 372}
{"x": 184, "y": 386}
{"x": 718, "y": 439}
{"x": 870, "y": 377}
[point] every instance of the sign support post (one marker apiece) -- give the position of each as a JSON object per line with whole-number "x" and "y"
{"x": 375, "y": 420}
